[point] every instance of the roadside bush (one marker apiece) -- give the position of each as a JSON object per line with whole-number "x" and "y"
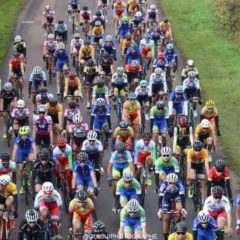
{"x": 228, "y": 12}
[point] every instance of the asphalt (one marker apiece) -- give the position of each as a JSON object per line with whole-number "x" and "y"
{"x": 29, "y": 27}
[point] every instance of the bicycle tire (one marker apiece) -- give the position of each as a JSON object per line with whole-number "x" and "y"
{"x": 62, "y": 88}
{"x": 73, "y": 24}
{"x": 25, "y": 186}
{"x": 5, "y": 231}
{"x": 119, "y": 109}
{"x": 66, "y": 193}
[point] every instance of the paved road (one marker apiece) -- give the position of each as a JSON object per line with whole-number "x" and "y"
{"x": 33, "y": 34}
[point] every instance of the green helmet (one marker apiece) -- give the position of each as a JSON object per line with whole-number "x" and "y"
{"x": 125, "y": 18}
{"x": 170, "y": 46}
{"x": 143, "y": 83}
{"x": 132, "y": 96}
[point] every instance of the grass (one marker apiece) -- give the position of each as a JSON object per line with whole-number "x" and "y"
{"x": 9, "y": 10}
{"x": 199, "y": 36}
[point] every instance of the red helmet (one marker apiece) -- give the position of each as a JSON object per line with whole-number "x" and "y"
{"x": 160, "y": 55}
{"x": 183, "y": 121}
{"x": 61, "y": 142}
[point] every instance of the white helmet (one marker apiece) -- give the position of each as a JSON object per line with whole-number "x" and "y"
{"x": 47, "y": 187}
{"x": 77, "y": 35}
{"x": 109, "y": 38}
{"x": 8, "y": 86}
{"x": 172, "y": 177}
{"x": 47, "y": 7}
{"x": 153, "y": 7}
{"x": 50, "y": 36}
{"x": 133, "y": 205}
{"x": 166, "y": 151}
{"x": 191, "y": 74}
{"x": 92, "y": 135}
{"x": 31, "y": 216}
{"x": 128, "y": 176}
{"x": 37, "y": 70}
{"x": 203, "y": 216}
{"x": 205, "y": 123}
{"x": 41, "y": 108}
{"x": 138, "y": 14}
{"x": 61, "y": 46}
{"x": 190, "y": 63}
{"x": 158, "y": 71}
{"x": 18, "y": 38}
{"x": 5, "y": 179}
{"x": 20, "y": 103}
{"x": 77, "y": 118}
{"x": 100, "y": 102}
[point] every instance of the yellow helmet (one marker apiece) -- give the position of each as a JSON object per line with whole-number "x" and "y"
{"x": 24, "y": 130}
{"x": 162, "y": 24}
{"x": 210, "y": 103}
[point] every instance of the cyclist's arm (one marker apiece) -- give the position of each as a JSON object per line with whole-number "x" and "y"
{"x": 66, "y": 87}
{"x": 70, "y": 160}
{"x": 14, "y": 154}
{"x": 34, "y": 150}
{"x": 15, "y": 202}
{"x": 51, "y": 133}
{"x": 229, "y": 190}
{"x": 60, "y": 112}
{"x": 93, "y": 176}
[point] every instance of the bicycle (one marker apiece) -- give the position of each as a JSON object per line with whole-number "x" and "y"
{"x": 7, "y": 224}
{"x": 9, "y": 127}
{"x": 17, "y": 85}
{"x": 62, "y": 85}
{"x": 26, "y": 180}
{"x": 50, "y": 64}
{"x": 119, "y": 106}
{"x": 175, "y": 216}
{"x": 48, "y": 229}
{"x": 73, "y": 18}
{"x": 145, "y": 66}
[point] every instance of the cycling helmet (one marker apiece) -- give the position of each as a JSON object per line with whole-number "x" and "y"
{"x": 158, "y": 71}
{"x": 98, "y": 13}
{"x": 5, "y": 156}
{"x": 77, "y": 35}
{"x": 160, "y": 104}
{"x": 31, "y": 216}
{"x": 92, "y": 135}
{"x": 77, "y": 118}
{"x": 179, "y": 89}
{"x": 133, "y": 205}
{"x": 132, "y": 96}
{"x": 128, "y": 176}
{"x": 183, "y": 121}
{"x": 153, "y": 7}
{"x": 47, "y": 187}
{"x": 72, "y": 75}
{"x": 44, "y": 154}
{"x": 165, "y": 19}
{"x": 166, "y": 151}
{"x": 43, "y": 91}
{"x": 72, "y": 104}
{"x": 147, "y": 37}
{"x": 125, "y": 18}
{"x": 90, "y": 63}
{"x": 123, "y": 124}
{"x": 17, "y": 39}
{"x": 160, "y": 55}
{"x": 50, "y": 36}
{"x": 172, "y": 177}
{"x": 120, "y": 147}
{"x": 147, "y": 135}
{"x": 82, "y": 195}
{"x": 4, "y": 179}
{"x": 210, "y": 104}
{"x": 85, "y": 8}
{"x": 8, "y": 86}
{"x": 170, "y": 46}
{"x": 99, "y": 226}
{"x": 41, "y": 108}
{"x": 190, "y": 63}
{"x": 82, "y": 156}
{"x": 20, "y": 103}
{"x": 100, "y": 83}
{"x": 24, "y": 130}
{"x": 128, "y": 36}
{"x": 61, "y": 46}
{"x": 181, "y": 227}
{"x": 106, "y": 55}
{"x": 203, "y": 216}
{"x": 220, "y": 165}
{"x": 191, "y": 74}
{"x": 197, "y": 145}
{"x": 53, "y": 101}
{"x": 205, "y": 123}
{"x": 57, "y": 237}
{"x": 98, "y": 23}
{"x": 138, "y": 14}
{"x": 217, "y": 191}
{"x": 16, "y": 55}
{"x": 109, "y": 38}
{"x": 120, "y": 71}
{"x": 37, "y": 70}
{"x": 143, "y": 83}
{"x": 100, "y": 102}
{"x": 61, "y": 142}
{"x": 47, "y": 7}
{"x": 134, "y": 46}
{"x": 87, "y": 42}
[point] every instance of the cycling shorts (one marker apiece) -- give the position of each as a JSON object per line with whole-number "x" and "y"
{"x": 156, "y": 88}
{"x": 178, "y": 108}
{"x": 71, "y": 90}
{"x": 218, "y": 215}
{"x": 59, "y": 65}
{"x": 99, "y": 123}
{"x": 142, "y": 156}
{"x": 52, "y": 207}
{"x": 132, "y": 118}
{"x": 127, "y": 194}
{"x": 160, "y": 125}
{"x": 84, "y": 181}
{"x": 132, "y": 223}
{"x": 42, "y": 140}
{"x": 198, "y": 167}
{"x": 22, "y": 154}
{"x": 116, "y": 91}
{"x": 122, "y": 34}
{"x": 169, "y": 199}
{"x": 86, "y": 219}
{"x": 166, "y": 171}
{"x": 119, "y": 168}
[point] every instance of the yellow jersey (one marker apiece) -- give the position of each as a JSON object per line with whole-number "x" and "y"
{"x": 123, "y": 134}
{"x": 199, "y": 131}
{"x": 81, "y": 210}
{"x": 58, "y": 109}
{"x": 174, "y": 236}
{"x": 131, "y": 107}
{"x": 76, "y": 83}
{"x": 86, "y": 51}
{"x": 197, "y": 157}
{"x": 98, "y": 31}
{"x": 10, "y": 189}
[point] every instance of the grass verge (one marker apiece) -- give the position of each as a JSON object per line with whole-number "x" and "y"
{"x": 199, "y": 36}
{"x": 9, "y": 11}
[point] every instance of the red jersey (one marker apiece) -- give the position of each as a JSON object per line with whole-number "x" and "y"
{"x": 16, "y": 63}
{"x": 214, "y": 176}
{"x": 131, "y": 69}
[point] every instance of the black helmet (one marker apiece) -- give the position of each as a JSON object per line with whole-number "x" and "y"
{"x": 123, "y": 124}
{"x": 120, "y": 147}
{"x": 16, "y": 54}
{"x": 5, "y": 156}
{"x": 90, "y": 63}
{"x": 147, "y": 135}
{"x": 44, "y": 154}
{"x": 53, "y": 101}
{"x": 82, "y": 195}
{"x": 220, "y": 165}
{"x": 106, "y": 55}
{"x": 98, "y": 13}
{"x": 165, "y": 19}
{"x": 100, "y": 83}
{"x": 99, "y": 226}
{"x": 72, "y": 104}
{"x": 60, "y": 22}
{"x": 85, "y": 8}
{"x": 82, "y": 156}
{"x": 87, "y": 42}
{"x": 217, "y": 191}
{"x": 197, "y": 145}
{"x": 43, "y": 91}
{"x": 181, "y": 227}
{"x": 160, "y": 104}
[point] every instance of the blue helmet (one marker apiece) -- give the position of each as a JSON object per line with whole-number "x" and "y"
{"x": 134, "y": 46}
{"x": 147, "y": 36}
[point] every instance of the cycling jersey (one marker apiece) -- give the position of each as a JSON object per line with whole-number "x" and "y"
{"x": 72, "y": 85}
{"x": 61, "y": 58}
{"x": 20, "y": 47}
{"x": 166, "y": 167}
{"x": 27, "y": 232}
{"x": 36, "y": 79}
{"x": 16, "y": 63}
{"x": 50, "y": 46}
{"x": 124, "y": 135}
{"x": 42, "y": 124}
{"x": 97, "y": 31}
{"x": 215, "y": 177}
{"x": 61, "y": 28}
{"x": 170, "y": 56}
{"x": 142, "y": 92}
{"x": 11, "y": 167}
{"x": 91, "y": 71}
{"x": 76, "y": 44}
{"x": 92, "y": 148}
{"x": 43, "y": 100}
{"x": 79, "y": 131}
{"x": 8, "y": 96}
{"x": 78, "y": 210}
{"x": 174, "y": 236}
{"x": 86, "y": 51}
{"x": 56, "y": 110}
{"x": 86, "y": 15}
{"x": 20, "y": 114}
{"x": 131, "y": 107}
{"x": 191, "y": 84}
{"x": 99, "y": 118}
{"x": 146, "y": 47}
{"x": 98, "y": 92}
{"x": 121, "y": 162}
{"x": 119, "y": 82}
{"x": 186, "y": 70}
{"x": 124, "y": 27}
{"x": 106, "y": 65}
{"x": 24, "y": 145}
{"x": 152, "y": 14}
{"x": 199, "y": 131}
{"x": 157, "y": 84}
{"x": 69, "y": 113}
{"x": 133, "y": 186}
{"x": 179, "y": 103}
{"x": 197, "y": 157}
{"x": 158, "y": 119}
{"x": 119, "y": 9}
{"x": 62, "y": 155}
{"x": 10, "y": 189}
{"x": 136, "y": 21}
{"x": 133, "y": 55}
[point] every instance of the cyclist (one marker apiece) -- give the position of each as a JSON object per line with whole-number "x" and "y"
{"x": 181, "y": 232}
{"x": 101, "y": 119}
{"x": 62, "y": 158}
{"x": 238, "y": 213}
{"x": 81, "y": 210}
{"x": 145, "y": 152}
{"x": 133, "y": 53}
{"x": 218, "y": 207}
{"x": 160, "y": 61}
{"x": 197, "y": 165}
{"x": 138, "y": 23}
{"x": 100, "y": 90}
{"x": 99, "y": 231}
{"x": 166, "y": 29}
{"x": 126, "y": 43}
{"x": 48, "y": 17}
{"x": 171, "y": 57}
{"x": 189, "y": 67}
{"x": 43, "y": 170}
{"x": 60, "y": 30}
{"x": 8, "y": 100}
{"x": 109, "y": 47}
{"x": 133, "y": 221}
{"x": 123, "y": 28}
{"x": 48, "y": 200}
{"x": 83, "y": 175}
{"x": 20, "y": 116}
{"x": 42, "y": 127}
{"x": 20, "y": 46}
{"x": 123, "y": 133}
{"x": 43, "y": 96}
{"x": 118, "y": 11}
{"x": 132, "y": 7}
{"x": 73, "y": 5}
{"x": 37, "y": 77}
{"x": 99, "y": 17}
{"x": 31, "y": 226}
{"x": 61, "y": 61}
{"x": 132, "y": 113}
{"x": 24, "y": 149}
{"x": 164, "y": 165}
{"x": 76, "y": 44}
{"x": 7, "y": 166}
{"x": 171, "y": 193}
{"x": 97, "y": 34}
{"x": 86, "y": 18}
{"x": 105, "y": 64}
{"x": 210, "y": 112}
{"x": 152, "y": 16}
{"x": 219, "y": 175}
{"x": 133, "y": 71}
{"x": 73, "y": 86}
{"x": 159, "y": 122}
{"x": 205, "y": 226}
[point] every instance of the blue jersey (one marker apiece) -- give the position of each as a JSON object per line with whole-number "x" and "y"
{"x": 110, "y": 49}
{"x": 136, "y": 21}
{"x": 165, "y": 189}
{"x": 61, "y": 56}
{"x": 24, "y": 145}
{"x": 37, "y": 78}
{"x": 238, "y": 200}
{"x": 177, "y": 100}
{"x": 133, "y": 55}
{"x": 170, "y": 57}
{"x": 83, "y": 172}
{"x": 61, "y": 28}
{"x": 100, "y": 114}
{"x": 124, "y": 27}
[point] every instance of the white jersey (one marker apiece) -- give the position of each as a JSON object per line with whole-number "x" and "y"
{"x": 12, "y": 165}
{"x": 92, "y": 148}
{"x": 158, "y": 80}
{"x": 54, "y": 197}
{"x": 145, "y": 44}
{"x": 75, "y": 45}
{"x": 79, "y": 132}
{"x": 211, "y": 205}
{"x": 187, "y": 84}
{"x": 143, "y": 91}
{"x": 57, "y": 152}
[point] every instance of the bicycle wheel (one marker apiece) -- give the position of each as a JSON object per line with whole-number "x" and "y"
{"x": 143, "y": 185}
{"x": 25, "y": 186}
{"x": 62, "y": 88}
{"x": 119, "y": 109}
{"x": 73, "y": 23}
{"x": 66, "y": 194}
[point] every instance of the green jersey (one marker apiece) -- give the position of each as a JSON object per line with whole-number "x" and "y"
{"x": 167, "y": 166}
{"x": 135, "y": 185}
{"x": 155, "y": 113}
{"x": 100, "y": 92}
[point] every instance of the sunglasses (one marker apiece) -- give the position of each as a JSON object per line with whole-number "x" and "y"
{"x": 82, "y": 162}
{"x": 132, "y": 212}
{"x": 128, "y": 182}
{"x": 165, "y": 155}
{"x": 44, "y": 160}
{"x": 31, "y": 222}
{"x": 23, "y": 135}
{"x": 91, "y": 140}
{"x": 180, "y": 233}
{"x": 41, "y": 112}
{"x": 146, "y": 139}
{"x": 217, "y": 197}
{"x": 171, "y": 183}
{"x": 179, "y": 94}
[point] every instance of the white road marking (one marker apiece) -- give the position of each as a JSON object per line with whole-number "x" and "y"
{"x": 27, "y": 21}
